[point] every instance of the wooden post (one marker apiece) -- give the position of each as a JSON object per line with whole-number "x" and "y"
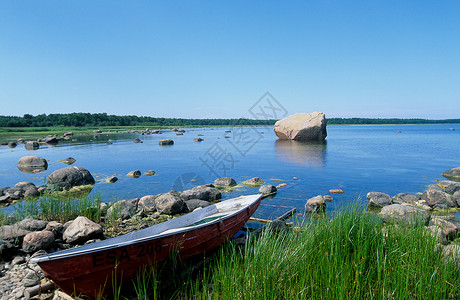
{"x": 40, "y": 288}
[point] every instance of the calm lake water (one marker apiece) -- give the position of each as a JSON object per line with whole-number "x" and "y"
{"x": 356, "y": 159}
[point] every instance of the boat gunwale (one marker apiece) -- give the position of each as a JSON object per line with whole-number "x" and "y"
{"x": 185, "y": 228}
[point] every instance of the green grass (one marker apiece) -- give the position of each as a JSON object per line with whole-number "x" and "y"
{"x": 347, "y": 256}
{"x": 350, "y": 255}
{"x": 58, "y": 208}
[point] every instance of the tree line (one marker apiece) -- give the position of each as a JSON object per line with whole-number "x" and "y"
{"x": 103, "y": 119}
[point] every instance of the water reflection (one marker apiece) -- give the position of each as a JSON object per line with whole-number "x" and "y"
{"x": 32, "y": 169}
{"x": 306, "y": 153}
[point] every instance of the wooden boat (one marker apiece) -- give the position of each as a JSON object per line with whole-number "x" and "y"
{"x": 89, "y": 269}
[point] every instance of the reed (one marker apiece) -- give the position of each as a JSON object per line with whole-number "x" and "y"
{"x": 58, "y": 208}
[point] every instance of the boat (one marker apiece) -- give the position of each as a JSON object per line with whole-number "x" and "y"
{"x": 90, "y": 269}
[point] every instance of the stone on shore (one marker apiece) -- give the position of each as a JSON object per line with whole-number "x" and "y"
{"x": 452, "y": 187}
{"x": 439, "y": 199}
{"x": 81, "y": 230}
{"x": 32, "y": 164}
{"x": 68, "y": 177}
{"x": 378, "y": 200}
{"x": 316, "y": 204}
{"x": 123, "y": 209}
{"x": 404, "y": 215}
{"x": 196, "y": 203}
{"x": 147, "y": 203}
{"x": 38, "y": 240}
{"x": 170, "y": 203}
{"x": 225, "y": 181}
{"x": 12, "y": 233}
{"x": 457, "y": 197}
{"x": 202, "y": 192}
{"x": 32, "y": 224}
{"x": 406, "y": 198}
{"x": 302, "y": 126}
{"x": 452, "y": 174}
{"x": 449, "y": 229}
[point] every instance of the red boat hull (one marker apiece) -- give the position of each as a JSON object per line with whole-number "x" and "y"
{"x": 92, "y": 274}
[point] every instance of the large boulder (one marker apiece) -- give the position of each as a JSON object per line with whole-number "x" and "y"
{"x": 68, "y": 177}
{"x": 404, "y": 214}
{"x": 452, "y": 174}
{"x": 170, "y": 203}
{"x": 439, "y": 199}
{"x": 202, "y": 192}
{"x": 302, "y": 126}
{"x": 32, "y": 164}
{"x": 378, "y": 200}
{"x": 81, "y": 230}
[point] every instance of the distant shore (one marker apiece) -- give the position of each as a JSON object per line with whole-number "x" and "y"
{"x": 84, "y": 120}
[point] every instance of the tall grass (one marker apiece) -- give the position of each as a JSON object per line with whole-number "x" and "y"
{"x": 347, "y": 256}
{"x": 58, "y": 208}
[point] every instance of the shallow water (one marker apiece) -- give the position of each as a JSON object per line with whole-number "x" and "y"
{"x": 356, "y": 159}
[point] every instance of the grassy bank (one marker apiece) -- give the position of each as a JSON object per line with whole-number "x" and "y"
{"x": 350, "y": 255}
{"x": 13, "y": 133}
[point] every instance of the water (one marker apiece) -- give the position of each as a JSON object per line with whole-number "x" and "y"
{"x": 356, "y": 159}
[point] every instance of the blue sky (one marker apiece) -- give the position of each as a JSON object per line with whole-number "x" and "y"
{"x": 212, "y": 59}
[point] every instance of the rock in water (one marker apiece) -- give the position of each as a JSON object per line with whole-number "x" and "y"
{"x": 166, "y": 142}
{"x": 316, "y": 204}
{"x": 32, "y": 145}
{"x": 225, "y": 181}
{"x": 302, "y": 126}
{"x": 66, "y": 178}
{"x": 32, "y": 164}
{"x": 452, "y": 174}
